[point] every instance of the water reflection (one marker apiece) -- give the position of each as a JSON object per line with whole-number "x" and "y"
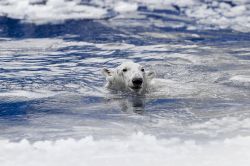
{"x": 134, "y": 104}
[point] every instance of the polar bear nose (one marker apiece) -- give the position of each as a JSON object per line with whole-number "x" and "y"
{"x": 137, "y": 81}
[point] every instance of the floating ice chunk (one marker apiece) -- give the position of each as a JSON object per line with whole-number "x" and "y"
{"x": 240, "y": 78}
{"x": 207, "y": 14}
{"x": 124, "y": 7}
{"x": 52, "y": 11}
{"x": 28, "y": 94}
{"x": 221, "y": 15}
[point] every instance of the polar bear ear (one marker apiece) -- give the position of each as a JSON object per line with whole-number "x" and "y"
{"x": 107, "y": 72}
{"x": 150, "y": 75}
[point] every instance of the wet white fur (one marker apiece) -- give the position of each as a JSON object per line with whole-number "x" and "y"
{"x": 118, "y": 79}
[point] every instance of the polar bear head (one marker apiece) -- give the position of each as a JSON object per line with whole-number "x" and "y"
{"x": 129, "y": 76}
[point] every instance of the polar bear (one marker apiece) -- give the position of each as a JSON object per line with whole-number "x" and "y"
{"x": 128, "y": 77}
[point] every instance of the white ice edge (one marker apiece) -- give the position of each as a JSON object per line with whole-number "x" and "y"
{"x": 208, "y": 15}
{"x": 138, "y": 150}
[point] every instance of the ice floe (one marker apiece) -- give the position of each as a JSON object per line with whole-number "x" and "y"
{"x": 138, "y": 149}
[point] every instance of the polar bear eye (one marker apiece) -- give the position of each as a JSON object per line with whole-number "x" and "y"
{"x": 124, "y": 70}
{"x": 142, "y": 70}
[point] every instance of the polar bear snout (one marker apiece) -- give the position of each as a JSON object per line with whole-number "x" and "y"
{"x": 137, "y": 82}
